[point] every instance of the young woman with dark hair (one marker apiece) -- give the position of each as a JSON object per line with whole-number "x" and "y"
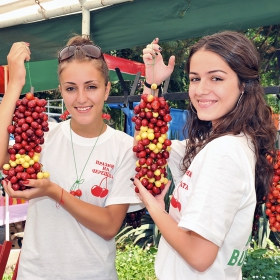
{"x": 221, "y": 171}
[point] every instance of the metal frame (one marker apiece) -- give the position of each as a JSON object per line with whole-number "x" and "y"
{"x": 42, "y": 11}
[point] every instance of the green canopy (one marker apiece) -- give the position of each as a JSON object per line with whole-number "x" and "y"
{"x": 136, "y": 23}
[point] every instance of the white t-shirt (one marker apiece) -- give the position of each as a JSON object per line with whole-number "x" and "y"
{"x": 55, "y": 245}
{"x": 216, "y": 199}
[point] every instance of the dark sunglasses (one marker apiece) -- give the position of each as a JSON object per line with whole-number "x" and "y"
{"x": 67, "y": 52}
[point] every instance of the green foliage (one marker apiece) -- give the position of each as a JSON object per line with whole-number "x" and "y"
{"x": 267, "y": 41}
{"x": 144, "y": 236}
{"x": 134, "y": 263}
{"x": 274, "y": 103}
{"x": 262, "y": 263}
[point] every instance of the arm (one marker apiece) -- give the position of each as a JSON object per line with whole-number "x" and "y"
{"x": 197, "y": 251}
{"x": 105, "y": 222}
{"x": 18, "y": 54}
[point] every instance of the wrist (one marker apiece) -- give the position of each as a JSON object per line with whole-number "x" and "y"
{"x": 152, "y": 86}
{"x": 155, "y": 89}
{"x": 54, "y": 192}
{"x": 156, "y": 209}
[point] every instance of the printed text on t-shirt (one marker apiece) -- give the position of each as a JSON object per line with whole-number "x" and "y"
{"x": 183, "y": 185}
{"x": 106, "y": 168}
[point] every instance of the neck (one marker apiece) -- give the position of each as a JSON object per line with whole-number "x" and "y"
{"x": 88, "y": 131}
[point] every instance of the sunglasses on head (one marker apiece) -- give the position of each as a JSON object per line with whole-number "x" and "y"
{"x": 67, "y": 52}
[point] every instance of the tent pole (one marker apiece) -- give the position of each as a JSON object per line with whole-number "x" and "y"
{"x": 85, "y": 19}
{"x": 7, "y": 19}
{"x": 7, "y": 217}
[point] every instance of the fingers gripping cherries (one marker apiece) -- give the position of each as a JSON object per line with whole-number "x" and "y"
{"x": 151, "y": 119}
{"x": 28, "y": 127}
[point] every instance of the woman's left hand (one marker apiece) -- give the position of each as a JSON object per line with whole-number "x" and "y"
{"x": 155, "y": 69}
{"x": 38, "y": 188}
{"x": 148, "y": 199}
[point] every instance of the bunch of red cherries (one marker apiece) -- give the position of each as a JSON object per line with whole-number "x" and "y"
{"x": 28, "y": 127}
{"x": 133, "y": 219}
{"x": 151, "y": 119}
{"x": 273, "y": 198}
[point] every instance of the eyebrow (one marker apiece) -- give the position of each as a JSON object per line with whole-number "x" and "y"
{"x": 210, "y": 72}
{"x": 87, "y": 82}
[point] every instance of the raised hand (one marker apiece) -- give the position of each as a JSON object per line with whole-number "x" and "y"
{"x": 156, "y": 70}
{"x": 18, "y": 54}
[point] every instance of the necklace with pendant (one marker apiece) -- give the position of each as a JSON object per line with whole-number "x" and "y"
{"x": 75, "y": 188}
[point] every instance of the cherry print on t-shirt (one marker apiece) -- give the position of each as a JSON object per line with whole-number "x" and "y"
{"x": 98, "y": 190}
{"x": 175, "y": 202}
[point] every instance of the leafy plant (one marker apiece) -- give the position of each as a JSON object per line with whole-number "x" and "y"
{"x": 264, "y": 230}
{"x": 262, "y": 263}
{"x": 144, "y": 236}
{"x": 134, "y": 263}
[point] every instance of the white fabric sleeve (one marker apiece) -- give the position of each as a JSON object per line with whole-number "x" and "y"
{"x": 216, "y": 195}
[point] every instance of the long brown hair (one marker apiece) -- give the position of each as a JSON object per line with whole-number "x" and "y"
{"x": 252, "y": 116}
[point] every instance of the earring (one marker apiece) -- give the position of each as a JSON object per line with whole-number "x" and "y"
{"x": 239, "y": 98}
{"x": 192, "y": 108}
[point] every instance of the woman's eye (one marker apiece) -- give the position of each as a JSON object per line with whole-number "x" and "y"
{"x": 70, "y": 88}
{"x": 216, "y": 79}
{"x": 194, "y": 79}
{"x": 92, "y": 87}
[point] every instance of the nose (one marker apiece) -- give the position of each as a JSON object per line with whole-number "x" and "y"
{"x": 82, "y": 96}
{"x": 202, "y": 87}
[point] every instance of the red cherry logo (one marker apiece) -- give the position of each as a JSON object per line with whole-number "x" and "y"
{"x": 98, "y": 191}
{"x": 179, "y": 205}
{"x": 175, "y": 203}
{"x": 104, "y": 192}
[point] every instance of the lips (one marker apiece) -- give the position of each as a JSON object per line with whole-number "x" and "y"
{"x": 83, "y": 109}
{"x": 205, "y": 103}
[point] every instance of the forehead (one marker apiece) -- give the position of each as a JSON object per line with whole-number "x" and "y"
{"x": 207, "y": 61}
{"x": 76, "y": 68}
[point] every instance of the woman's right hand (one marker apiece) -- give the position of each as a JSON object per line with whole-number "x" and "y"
{"x": 37, "y": 188}
{"x": 156, "y": 71}
{"x": 19, "y": 53}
